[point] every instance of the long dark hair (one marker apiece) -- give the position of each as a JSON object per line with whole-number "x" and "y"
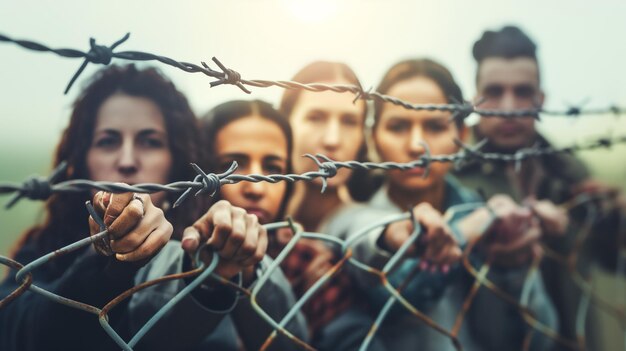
{"x": 224, "y": 114}
{"x": 66, "y": 218}
{"x": 321, "y": 71}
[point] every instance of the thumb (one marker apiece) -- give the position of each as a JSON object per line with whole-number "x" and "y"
{"x": 191, "y": 240}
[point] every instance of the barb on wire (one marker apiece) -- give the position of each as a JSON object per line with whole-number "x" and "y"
{"x": 42, "y": 188}
{"x": 230, "y": 76}
{"x": 97, "y": 54}
{"x": 38, "y": 188}
{"x": 211, "y": 182}
{"x": 327, "y": 168}
{"x": 103, "y": 55}
{"x": 465, "y": 109}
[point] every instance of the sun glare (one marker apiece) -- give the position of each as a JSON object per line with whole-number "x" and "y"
{"x": 312, "y": 10}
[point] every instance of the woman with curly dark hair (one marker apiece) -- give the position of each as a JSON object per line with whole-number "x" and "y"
{"x": 131, "y": 126}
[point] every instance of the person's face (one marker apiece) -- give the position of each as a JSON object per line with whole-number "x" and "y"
{"x": 509, "y": 84}
{"x": 328, "y": 123}
{"x": 130, "y": 143}
{"x": 260, "y": 147}
{"x": 399, "y": 133}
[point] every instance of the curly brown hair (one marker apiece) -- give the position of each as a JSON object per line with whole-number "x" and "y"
{"x": 66, "y": 215}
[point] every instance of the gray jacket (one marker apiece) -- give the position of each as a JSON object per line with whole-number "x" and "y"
{"x": 491, "y": 323}
{"x": 218, "y": 322}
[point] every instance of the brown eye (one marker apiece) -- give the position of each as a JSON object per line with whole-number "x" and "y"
{"x": 398, "y": 126}
{"x": 493, "y": 91}
{"x": 350, "y": 120}
{"x": 152, "y": 143}
{"x": 524, "y": 91}
{"x": 436, "y": 126}
{"x": 315, "y": 117}
{"x": 107, "y": 142}
{"x": 273, "y": 168}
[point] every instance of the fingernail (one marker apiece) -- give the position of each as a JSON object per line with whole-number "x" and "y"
{"x": 423, "y": 265}
{"x": 120, "y": 257}
{"x": 108, "y": 219}
{"x": 445, "y": 268}
{"x": 188, "y": 244}
{"x": 433, "y": 269}
{"x": 106, "y": 199}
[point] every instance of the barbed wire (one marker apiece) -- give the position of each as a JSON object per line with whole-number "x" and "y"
{"x": 40, "y": 188}
{"x": 100, "y": 54}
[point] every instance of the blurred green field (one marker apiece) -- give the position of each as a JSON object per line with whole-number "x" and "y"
{"x": 16, "y": 167}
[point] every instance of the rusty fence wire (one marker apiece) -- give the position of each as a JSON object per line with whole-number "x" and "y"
{"x": 40, "y": 188}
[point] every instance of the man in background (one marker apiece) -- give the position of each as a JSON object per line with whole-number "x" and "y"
{"x": 508, "y": 78}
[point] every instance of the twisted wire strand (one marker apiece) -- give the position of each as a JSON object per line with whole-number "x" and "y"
{"x": 100, "y": 54}
{"x": 39, "y": 188}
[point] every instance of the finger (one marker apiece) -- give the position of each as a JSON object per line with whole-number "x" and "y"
{"x": 248, "y": 247}
{"x": 434, "y": 228}
{"x": 233, "y": 239}
{"x": 133, "y": 239}
{"x": 444, "y": 255}
{"x": 454, "y": 256}
{"x": 261, "y": 249}
{"x": 436, "y": 244}
{"x": 191, "y": 240}
{"x": 284, "y": 235}
{"x": 151, "y": 246}
{"x": 117, "y": 203}
{"x": 219, "y": 222}
{"x": 524, "y": 242}
{"x": 395, "y": 234}
{"x": 98, "y": 202}
{"x": 130, "y": 217}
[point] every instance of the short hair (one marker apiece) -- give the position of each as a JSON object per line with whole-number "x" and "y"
{"x": 508, "y": 42}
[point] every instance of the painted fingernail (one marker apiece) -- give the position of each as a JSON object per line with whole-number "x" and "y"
{"x": 423, "y": 265}
{"x": 433, "y": 269}
{"x": 445, "y": 268}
